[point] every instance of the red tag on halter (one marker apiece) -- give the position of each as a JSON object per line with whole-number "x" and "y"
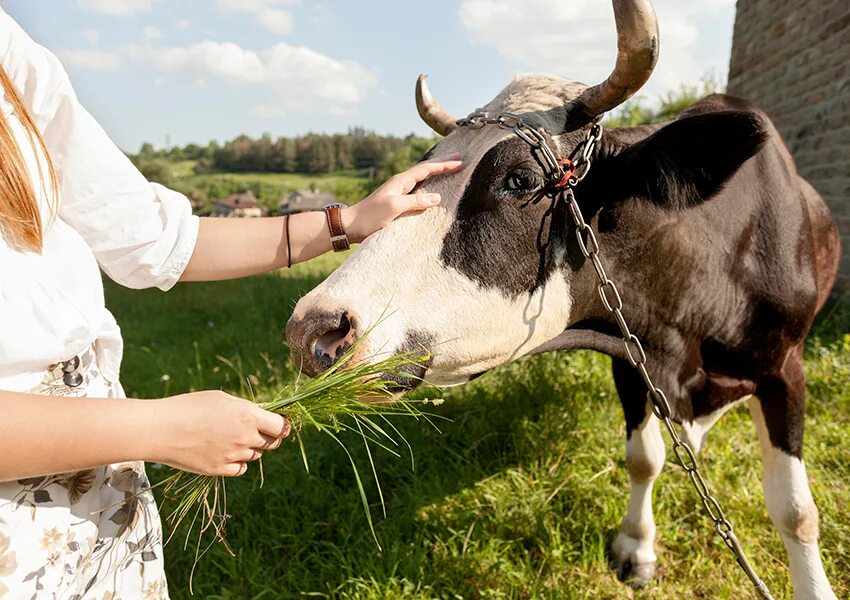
{"x": 569, "y": 173}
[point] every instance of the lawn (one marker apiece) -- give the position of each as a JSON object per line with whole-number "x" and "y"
{"x": 519, "y": 496}
{"x": 268, "y": 187}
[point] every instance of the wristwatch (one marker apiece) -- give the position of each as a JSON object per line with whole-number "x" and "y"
{"x": 339, "y": 239}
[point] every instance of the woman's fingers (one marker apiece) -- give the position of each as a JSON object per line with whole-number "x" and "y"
{"x": 269, "y": 442}
{"x": 421, "y": 171}
{"x": 247, "y": 455}
{"x": 417, "y": 202}
{"x": 236, "y": 469}
{"x": 272, "y": 424}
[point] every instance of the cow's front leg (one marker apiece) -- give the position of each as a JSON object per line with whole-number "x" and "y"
{"x": 778, "y": 415}
{"x": 634, "y": 547}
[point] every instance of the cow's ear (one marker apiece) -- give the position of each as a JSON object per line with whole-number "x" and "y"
{"x": 688, "y": 160}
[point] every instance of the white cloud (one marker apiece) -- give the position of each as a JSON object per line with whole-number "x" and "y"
{"x": 151, "y": 32}
{"x": 295, "y": 78}
{"x": 225, "y": 60}
{"x": 276, "y": 20}
{"x": 93, "y": 60}
{"x": 268, "y": 13}
{"x": 306, "y": 79}
{"x": 577, "y": 39}
{"x": 116, "y": 7}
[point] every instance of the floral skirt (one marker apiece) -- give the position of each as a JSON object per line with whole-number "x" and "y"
{"x": 92, "y": 534}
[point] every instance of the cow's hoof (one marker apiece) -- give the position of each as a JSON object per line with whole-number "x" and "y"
{"x": 635, "y": 576}
{"x": 635, "y": 559}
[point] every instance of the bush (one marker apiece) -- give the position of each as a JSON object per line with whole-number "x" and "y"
{"x": 157, "y": 170}
{"x": 635, "y": 112}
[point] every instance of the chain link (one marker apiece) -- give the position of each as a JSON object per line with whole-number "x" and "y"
{"x": 580, "y": 161}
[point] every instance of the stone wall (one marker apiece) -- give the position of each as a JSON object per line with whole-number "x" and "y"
{"x": 792, "y": 58}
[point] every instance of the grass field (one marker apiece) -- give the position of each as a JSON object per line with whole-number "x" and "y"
{"x": 520, "y": 495}
{"x": 268, "y": 187}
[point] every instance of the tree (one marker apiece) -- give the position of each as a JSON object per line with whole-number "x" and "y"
{"x": 192, "y": 152}
{"x": 146, "y": 151}
{"x": 285, "y": 157}
{"x": 157, "y": 170}
{"x": 344, "y": 151}
{"x": 635, "y": 111}
{"x": 403, "y": 158}
{"x": 315, "y": 154}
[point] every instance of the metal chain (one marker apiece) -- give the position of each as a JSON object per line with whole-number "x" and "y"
{"x": 578, "y": 165}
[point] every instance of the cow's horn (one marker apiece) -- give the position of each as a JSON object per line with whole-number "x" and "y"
{"x": 432, "y": 113}
{"x": 637, "y": 53}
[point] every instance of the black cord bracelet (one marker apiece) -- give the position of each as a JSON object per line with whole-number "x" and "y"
{"x": 288, "y": 246}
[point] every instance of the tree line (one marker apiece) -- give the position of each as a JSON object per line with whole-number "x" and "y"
{"x": 313, "y": 153}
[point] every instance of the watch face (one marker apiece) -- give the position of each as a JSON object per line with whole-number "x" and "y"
{"x": 333, "y": 204}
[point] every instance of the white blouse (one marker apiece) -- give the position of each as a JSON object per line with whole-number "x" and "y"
{"x": 140, "y": 234}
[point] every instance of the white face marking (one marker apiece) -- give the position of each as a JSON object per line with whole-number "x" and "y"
{"x": 396, "y": 282}
{"x": 793, "y": 511}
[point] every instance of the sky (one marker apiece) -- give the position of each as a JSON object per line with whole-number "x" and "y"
{"x": 180, "y": 71}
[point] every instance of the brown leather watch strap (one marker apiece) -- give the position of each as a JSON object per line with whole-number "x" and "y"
{"x": 339, "y": 239}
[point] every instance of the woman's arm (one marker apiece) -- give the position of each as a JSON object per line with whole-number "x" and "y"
{"x": 143, "y": 234}
{"x": 229, "y": 248}
{"x": 203, "y": 432}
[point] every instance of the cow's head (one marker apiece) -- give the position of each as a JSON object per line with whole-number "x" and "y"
{"x": 488, "y": 275}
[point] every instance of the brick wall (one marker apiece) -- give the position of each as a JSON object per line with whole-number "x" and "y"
{"x": 792, "y": 58}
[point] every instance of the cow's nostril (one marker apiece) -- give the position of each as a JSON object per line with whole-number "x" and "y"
{"x": 320, "y": 338}
{"x": 332, "y": 344}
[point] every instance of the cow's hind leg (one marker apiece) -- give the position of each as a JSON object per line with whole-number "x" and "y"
{"x": 778, "y": 413}
{"x": 634, "y": 547}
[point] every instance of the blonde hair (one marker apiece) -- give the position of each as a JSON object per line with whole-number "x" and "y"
{"x": 20, "y": 217}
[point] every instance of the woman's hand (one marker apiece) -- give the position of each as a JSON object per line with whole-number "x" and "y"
{"x": 393, "y": 198}
{"x": 212, "y": 432}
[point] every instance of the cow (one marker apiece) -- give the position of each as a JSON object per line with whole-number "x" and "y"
{"x": 722, "y": 253}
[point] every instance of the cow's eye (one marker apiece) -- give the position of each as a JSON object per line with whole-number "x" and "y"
{"x": 520, "y": 181}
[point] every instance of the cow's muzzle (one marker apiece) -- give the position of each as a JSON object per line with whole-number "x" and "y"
{"x": 320, "y": 338}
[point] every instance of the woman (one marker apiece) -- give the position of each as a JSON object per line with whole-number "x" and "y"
{"x": 70, "y": 201}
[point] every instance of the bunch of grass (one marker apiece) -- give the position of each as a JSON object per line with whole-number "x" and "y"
{"x": 352, "y": 396}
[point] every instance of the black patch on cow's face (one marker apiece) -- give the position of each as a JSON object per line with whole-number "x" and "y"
{"x": 416, "y": 345}
{"x": 506, "y": 231}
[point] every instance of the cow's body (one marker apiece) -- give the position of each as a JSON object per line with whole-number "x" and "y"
{"x": 721, "y": 292}
{"x": 721, "y": 252}
{"x": 722, "y": 295}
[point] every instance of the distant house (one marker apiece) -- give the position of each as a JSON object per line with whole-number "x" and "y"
{"x": 243, "y": 204}
{"x": 305, "y": 200}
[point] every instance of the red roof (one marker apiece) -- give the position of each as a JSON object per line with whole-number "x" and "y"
{"x": 241, "y": 200}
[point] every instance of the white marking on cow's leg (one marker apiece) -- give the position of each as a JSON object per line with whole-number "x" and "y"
{"x": 793, "y": 512}
{"x": 634, "y": 548}
{"x": 694, "y": 432}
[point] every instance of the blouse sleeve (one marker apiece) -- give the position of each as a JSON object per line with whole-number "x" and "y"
{"x": 141, "y": 233}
